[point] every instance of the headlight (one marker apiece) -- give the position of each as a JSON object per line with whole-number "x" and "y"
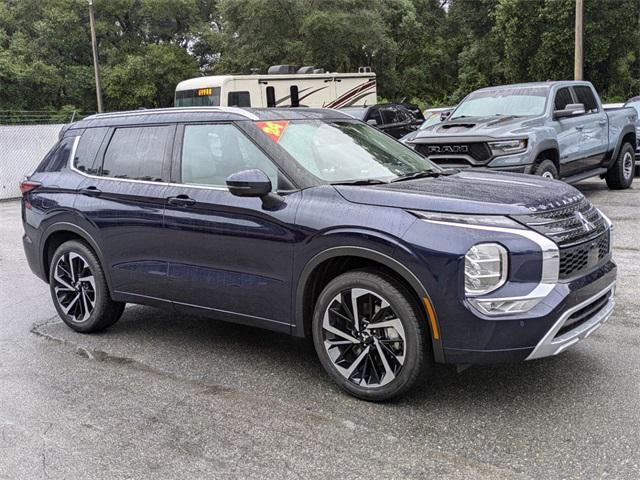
{"x": 471, "y": 220}
{"x": 485, "y": 268}
{"x": 508, "y": 147}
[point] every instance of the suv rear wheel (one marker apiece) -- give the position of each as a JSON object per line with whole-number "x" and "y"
{"x": 370, "y": 336}
{"x": 79, "y": 289}
{"x": 620, "y": 175}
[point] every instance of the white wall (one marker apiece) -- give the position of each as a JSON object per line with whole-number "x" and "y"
{"x": 22, "y": 147}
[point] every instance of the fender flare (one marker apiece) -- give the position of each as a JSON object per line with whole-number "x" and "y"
{"x": 387, "y": 261}
{"x": 62, "y": 226}
{"x": 547, "y": 144}
{"x": 626, "y": 130}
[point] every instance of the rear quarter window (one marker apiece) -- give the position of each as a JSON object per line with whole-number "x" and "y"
{"x": 85, "y": 158}
{"x": 58, "y": 156}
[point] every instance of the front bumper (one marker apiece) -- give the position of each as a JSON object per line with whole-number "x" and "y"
{"x": 576, "y": 323}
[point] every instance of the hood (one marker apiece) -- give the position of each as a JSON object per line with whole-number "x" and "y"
{"x": 473, "y": 192}
{"x": 492, "y": 126}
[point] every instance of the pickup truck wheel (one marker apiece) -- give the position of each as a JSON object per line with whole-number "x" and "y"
{"x": 620, "y": 175}
{"x": 370, "y": 335}
{"x": 546, "y": 169}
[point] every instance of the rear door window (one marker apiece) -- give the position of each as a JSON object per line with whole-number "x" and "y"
{"x": 563, "y": 98}
{"x": 587, "y": 98}
{"x": 137, "y": 153}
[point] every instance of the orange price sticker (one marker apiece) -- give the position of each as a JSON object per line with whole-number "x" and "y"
{"x": 273, "y": 129}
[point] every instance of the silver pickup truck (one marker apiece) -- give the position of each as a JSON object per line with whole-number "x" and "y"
{"x": 551, "y": 129}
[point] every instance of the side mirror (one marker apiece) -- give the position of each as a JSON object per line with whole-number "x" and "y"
{"x": 570, "y": 110}
{"x": 253, "y": 183}
{"x": 373, "y": 122}
{"x": 444, "y": 116}
{"x": 249, "y": 183}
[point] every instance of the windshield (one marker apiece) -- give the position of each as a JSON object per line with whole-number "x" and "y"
{"x": 200, "y": 97}
{"x": 432, "y": 118}
{"x": 503, "y": 101}
{"x": 344, "y": 150}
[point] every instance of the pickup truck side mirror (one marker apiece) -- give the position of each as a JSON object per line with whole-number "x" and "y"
{"x": 570, "y": 110}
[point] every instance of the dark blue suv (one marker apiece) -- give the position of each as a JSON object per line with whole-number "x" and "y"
{"x": 312, "y": 223}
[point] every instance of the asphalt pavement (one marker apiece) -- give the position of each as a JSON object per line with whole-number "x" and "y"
{"x": 161, "y": 395}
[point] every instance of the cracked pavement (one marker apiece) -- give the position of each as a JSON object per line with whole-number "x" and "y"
{"x": 161, "y": 395}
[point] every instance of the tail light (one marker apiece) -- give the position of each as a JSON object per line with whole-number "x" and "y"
{"x": 28, "y": 185}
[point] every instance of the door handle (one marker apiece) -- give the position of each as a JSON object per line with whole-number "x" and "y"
{"x": 92, "y": 191}
{"x": 181, "y": 201}
{"x": 602, "y": 122}
{"x": 579, "y": 127}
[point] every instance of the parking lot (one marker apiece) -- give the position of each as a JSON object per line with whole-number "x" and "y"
{"x": 165, "y": 396}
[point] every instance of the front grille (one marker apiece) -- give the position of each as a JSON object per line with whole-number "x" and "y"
{"x": 584, "y": 256}
{"x": 479, "y": 151}
{"x": 567, "y": 226}
{"x": 584, "y": 314}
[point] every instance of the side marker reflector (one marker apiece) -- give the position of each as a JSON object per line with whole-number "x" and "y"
{"x": 432, "y": 318}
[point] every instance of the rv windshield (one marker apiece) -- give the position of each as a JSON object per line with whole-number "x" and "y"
{"x": 345, "y": 151}
{"x": 200, "y": 97}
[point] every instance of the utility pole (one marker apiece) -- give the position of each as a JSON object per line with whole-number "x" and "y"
{"x": 94, "y": 48}
{"x": 578, "y": 58}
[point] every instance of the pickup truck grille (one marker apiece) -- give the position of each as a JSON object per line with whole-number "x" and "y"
{"x": 445, "y": 153}
{"x": 579, "y": 231}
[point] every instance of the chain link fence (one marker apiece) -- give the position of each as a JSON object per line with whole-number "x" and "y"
{"x": 22, "y": 147}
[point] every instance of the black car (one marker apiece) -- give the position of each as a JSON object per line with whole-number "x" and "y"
{"x": 393, "y": 119}
{"x": 314, "y": 224}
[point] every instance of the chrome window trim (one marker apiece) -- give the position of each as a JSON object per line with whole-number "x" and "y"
{"x": 550, "y": 264}
{"x": 131, "y": 180}
{"x": 549, "y": 345}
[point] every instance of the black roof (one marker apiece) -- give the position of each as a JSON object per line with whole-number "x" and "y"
{"x": 205, "y": 114}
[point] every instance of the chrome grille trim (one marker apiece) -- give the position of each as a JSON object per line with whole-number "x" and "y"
{"x": 567, "y": 226}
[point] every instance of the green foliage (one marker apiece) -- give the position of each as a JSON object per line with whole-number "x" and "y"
{"x": 429, "y": 52}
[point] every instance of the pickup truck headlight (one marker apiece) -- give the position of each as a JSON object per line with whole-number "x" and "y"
{"x": 508, "y": 147}
{"x": 485, "y": 268}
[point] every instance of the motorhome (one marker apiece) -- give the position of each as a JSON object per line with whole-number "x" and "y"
{"x": 281, "y": 86}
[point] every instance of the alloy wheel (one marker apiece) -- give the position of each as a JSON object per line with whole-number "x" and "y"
{"x": 74, "y": 286}
{"x": 548, "y": 175}
{"x": 364, "y": 338}
{"x": 627, "y": 164}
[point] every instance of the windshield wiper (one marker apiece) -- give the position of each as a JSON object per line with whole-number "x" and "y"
{"x": 420, "y": 174}
{"x": 362, "y": 181}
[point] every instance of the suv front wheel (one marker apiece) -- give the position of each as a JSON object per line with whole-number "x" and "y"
{"x": 370, "y": 335}
{"x": 79, "y": 289}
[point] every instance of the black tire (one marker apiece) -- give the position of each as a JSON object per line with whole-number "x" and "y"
{"x": 546, "y": 169}
{"x": 620, "y": 174}
{"x": 415, "y": 353}
{"x": 79, "y": 289}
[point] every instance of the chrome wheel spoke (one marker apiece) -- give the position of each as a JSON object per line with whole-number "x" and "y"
{"x": 388, "y": 372}
{"x": 364, "y": 338}
{"x": 74, "y": 287}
